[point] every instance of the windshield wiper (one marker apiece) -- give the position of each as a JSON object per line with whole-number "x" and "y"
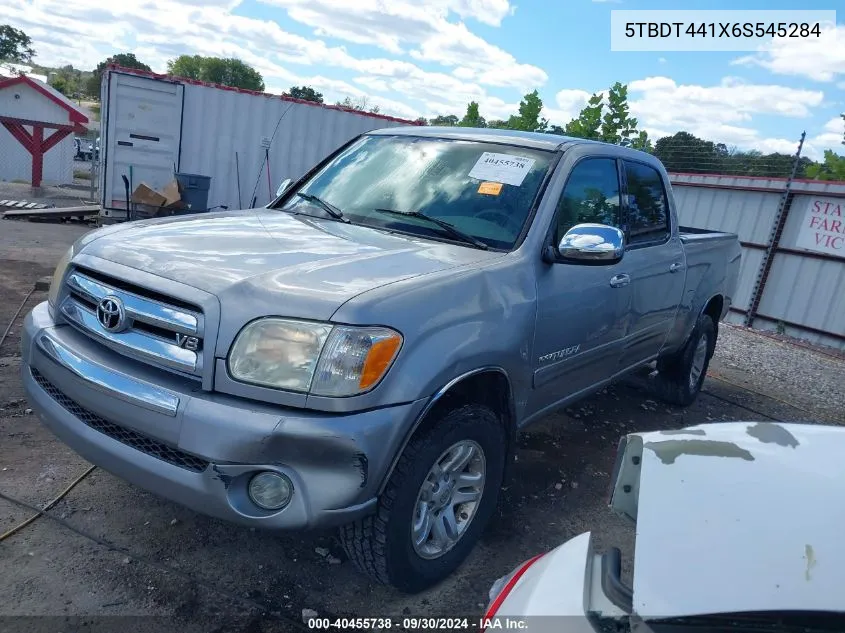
{"x": 329, "y": 208}
{"x": 448, "y": 228}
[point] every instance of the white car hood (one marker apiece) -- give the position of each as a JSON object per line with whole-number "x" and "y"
{"x": 735, "y": 517}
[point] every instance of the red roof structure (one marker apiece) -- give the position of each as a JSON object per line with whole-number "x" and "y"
{"x": 35, "y": 142}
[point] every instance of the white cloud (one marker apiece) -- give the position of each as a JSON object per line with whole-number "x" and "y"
{"x": 832, "y": 134}
{"x": 662, "y": 103}
{"x": 661, "y": 60}
{"x": 572, "y": 101}
{"x": 819, "y": 58}
{"x": 394, "y": 25}
{"x": 722, "y": 113}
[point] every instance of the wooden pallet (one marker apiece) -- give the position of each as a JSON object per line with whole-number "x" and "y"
{"x": 21, "y": 204}
{"x": 52, "y": 213}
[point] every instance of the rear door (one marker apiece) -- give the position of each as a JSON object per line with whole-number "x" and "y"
{"x": 655, "y": 261}
{"x": 142, "y": 124}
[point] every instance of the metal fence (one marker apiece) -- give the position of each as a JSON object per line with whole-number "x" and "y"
{"x": 792, "y": 277}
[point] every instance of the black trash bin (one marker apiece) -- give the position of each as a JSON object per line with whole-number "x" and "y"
{"x": 194, "y": 189}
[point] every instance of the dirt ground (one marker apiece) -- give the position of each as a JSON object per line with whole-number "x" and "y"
{"x": 109, "y": 549}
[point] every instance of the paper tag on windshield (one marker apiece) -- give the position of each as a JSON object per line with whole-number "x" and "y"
{"x": 490, "y": 188}
{"x": 504, "y": 168}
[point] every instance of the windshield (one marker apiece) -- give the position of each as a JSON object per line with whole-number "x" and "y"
{"x": 484, "y": 190}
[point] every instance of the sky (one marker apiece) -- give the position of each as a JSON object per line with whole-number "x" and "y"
{"x": 430, "y": 57}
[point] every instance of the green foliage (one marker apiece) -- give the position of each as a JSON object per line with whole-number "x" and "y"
{"x": 498, "y": 124}
{"x": 609, "y": 121}
{"x": 126, "y": 60}
{"x": 472, "y": 118}
{"x": 447, "y": 120}
{"x": 588, "y": 123}
{"x": 362, "y": 104}
{"x": 306, "y": 93}
{"x": 529, "y": 119}
{"x": 67, "y": 80}
{"x": 217, "y": 70}
{"x": 684, "y": 152}
{"x": 15, "y": 45}
{"x": 832, "y": 168}
{"x": 62, "y": 85}
{"x": 422, "y": 121}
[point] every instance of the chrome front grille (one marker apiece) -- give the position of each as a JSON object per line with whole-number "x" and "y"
{"x": 149, "y": 327}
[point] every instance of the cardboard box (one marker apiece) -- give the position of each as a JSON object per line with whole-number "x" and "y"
{"x": 172, "y": 194}
{"x": 144, "y": 194}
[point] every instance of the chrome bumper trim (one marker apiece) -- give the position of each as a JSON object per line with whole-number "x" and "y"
{"x": 110, "y": 382}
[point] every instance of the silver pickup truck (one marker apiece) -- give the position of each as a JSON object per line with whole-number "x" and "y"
{"x": 363, "y": 352}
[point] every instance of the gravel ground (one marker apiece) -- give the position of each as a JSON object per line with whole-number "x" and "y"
{"x": 802, "y": 377}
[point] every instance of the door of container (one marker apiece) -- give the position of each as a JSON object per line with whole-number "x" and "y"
{"x": 142, "y": 120}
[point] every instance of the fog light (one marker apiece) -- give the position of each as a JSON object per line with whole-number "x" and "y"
{"x": 270, "y": 491}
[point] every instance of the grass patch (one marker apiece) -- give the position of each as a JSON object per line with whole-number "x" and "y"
{"x": 82, "y": 174}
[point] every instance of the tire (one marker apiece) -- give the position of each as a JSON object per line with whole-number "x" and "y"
{"x": 680, "y": 376}
{"x": 381, "y": 545}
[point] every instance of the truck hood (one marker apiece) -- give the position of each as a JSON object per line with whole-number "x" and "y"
{"x": 735, "y": 517}
{"x": 271, "y": 262}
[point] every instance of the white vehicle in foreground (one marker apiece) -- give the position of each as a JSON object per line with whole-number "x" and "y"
{"x": 739, "y": 527}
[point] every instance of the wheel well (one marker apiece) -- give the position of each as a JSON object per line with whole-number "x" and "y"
{"x": 489, "y": 387}
{"x": 713, "y": 309}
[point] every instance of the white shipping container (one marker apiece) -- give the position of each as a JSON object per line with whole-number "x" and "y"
{"x": 247, "y": 142}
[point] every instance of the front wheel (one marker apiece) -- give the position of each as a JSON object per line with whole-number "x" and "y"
{"x": 680, "y": 377}
{"x": 436, "y": 503}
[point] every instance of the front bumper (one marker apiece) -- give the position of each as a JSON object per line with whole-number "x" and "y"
{"x": 163, "y": 433}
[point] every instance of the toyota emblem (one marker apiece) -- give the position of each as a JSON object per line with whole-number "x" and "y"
{"x": 111, "y": 315}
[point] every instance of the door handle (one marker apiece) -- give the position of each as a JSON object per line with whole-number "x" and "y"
{"x": 675, "y": 267}
{"x": 618, "y": 281}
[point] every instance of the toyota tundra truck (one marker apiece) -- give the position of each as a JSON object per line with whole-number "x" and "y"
{"x": 362, "y": 352}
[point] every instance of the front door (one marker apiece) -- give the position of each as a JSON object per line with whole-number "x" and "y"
{"x": 581, "y": 309}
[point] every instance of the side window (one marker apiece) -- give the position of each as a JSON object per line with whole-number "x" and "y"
{"x": 648, "y": 209}
{"x": 591, "y": 195}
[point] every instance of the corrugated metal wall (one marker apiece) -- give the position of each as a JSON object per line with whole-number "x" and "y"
{"x": 218, "y": 123}
{"x": 804, "y": 292}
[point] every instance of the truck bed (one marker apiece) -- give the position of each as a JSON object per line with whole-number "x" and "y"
{"x": 690, "y": 234}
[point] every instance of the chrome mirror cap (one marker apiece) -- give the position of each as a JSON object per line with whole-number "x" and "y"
{"x": 597, "y": 243}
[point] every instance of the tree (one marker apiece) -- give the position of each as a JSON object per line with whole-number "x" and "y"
{"x": 448, "y": 120}
{"x": 833, "y": 168}
{"x": 126, "y": 60}
{"x": 609, "y": 121}
{"x": 498, "y": 124}
{"x": 15, "y": 45}
{"x": 217, "y": 70}
{"x": 306, "y": 93}
{"x": 683, "y": 152}
{"x": 473, "y": 118}
{"x": 421, "y": 121}
{"x": 66, "y": 80}
{"x": 529, "y": 118}
{"x": 361, "y": 104}
{"x": 588, "y": 122}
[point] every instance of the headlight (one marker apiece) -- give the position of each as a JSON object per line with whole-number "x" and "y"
{"x": 316, "y": 358}
{"x": 58, "y": 277}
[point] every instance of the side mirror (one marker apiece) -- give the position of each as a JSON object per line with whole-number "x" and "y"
{"x": 285, "y": 184}
{"x": 595, "y": 244}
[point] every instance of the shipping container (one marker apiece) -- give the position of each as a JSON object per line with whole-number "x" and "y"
{"x": 247, "y": 142}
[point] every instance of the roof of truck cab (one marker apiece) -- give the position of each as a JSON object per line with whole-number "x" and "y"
{"x": 534, "y": 140}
